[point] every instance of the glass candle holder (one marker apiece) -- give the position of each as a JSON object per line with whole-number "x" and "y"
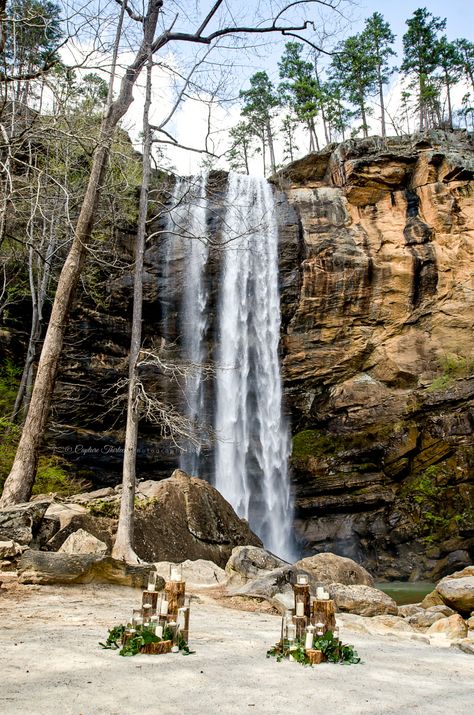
{"x": 151, "y": 581}
{"x": 291, "y": 632}
{"x": 176, "y": 572}
{"x": 302, "y": 579}
{"x": 319, "y": 627}
{"x": 137, "y": 618}
{"x": 308, "y": 643}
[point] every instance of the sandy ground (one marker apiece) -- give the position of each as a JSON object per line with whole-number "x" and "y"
{"x": 51, "y": 664}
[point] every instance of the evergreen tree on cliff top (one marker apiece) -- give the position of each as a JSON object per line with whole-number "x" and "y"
{"x": 378, "y": 39}
{"x": 420, "y": 61}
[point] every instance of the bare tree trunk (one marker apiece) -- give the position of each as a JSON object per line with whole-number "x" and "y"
{"x": 365, "y": 128}
{"x": 271, "y": 147}
{"x": 450, "y": 108}
{"x": 123, "y": 547}
{"x": 382, "y": 106}
{"x": 19, "y": 482}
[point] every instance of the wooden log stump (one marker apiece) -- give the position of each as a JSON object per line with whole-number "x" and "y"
{"x": 324, "y": 612}
{"x": 302, "y": 594}
{"x": 300, "y": 622}
{"x": 315, "y": 656}
{"x": 157, "y": 648}
{"x": 174, "y": 594}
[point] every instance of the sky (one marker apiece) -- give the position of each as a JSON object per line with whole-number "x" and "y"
{"x": 189, "y": 124}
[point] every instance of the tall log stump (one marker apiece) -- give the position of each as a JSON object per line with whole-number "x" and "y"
{"x": 174, "y": 594}
{"x": 324, "y": 612}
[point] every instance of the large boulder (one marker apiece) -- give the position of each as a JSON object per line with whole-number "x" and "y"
{"x": 362, "y": 600}
{"x": 249, "y": 562}
{"x": 44, "y": 567}
{"x": 331, "y": 568}
{"x": 195, "y": 573}
{"x": 21, "y": 522}
{"x": 425, "y": 619}
{"x": 457, "y": 590}
{"x": 452, "y": 627}
{"x": 274, "y": 586}
{"x": 432, "y": 599}
{"x": 188, "y": 519}
{"x": 72, "y": 518}
{"x": 81, "y": 542}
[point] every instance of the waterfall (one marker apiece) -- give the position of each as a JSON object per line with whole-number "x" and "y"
{"x": 252, "y": 450}
{"x": 192, "y": 215}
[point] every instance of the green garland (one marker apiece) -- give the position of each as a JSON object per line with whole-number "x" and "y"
{"x": 334, "y": 650}
{"x": 143, "y": 636}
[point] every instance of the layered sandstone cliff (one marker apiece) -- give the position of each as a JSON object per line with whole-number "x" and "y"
{"x": 378, "y": 350}
{"x": 376, "y": 266}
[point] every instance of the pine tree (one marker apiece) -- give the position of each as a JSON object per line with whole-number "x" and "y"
{"x": 259, "y": 102}
{"x": 300, "y": 91}
{"x": 465, "y": 49}
{"x": 378, "y": 38}
{"x": 241, "y": 149}
{"x": 420, "y": 61}
{"x": 288, "y": 130}
{"x": 450, "y": 63}
{"x": 355, "y": 71}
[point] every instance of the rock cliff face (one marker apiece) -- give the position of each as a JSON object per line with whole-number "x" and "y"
{"x": 378, "y": 350}
{"x": 377, "y": 261}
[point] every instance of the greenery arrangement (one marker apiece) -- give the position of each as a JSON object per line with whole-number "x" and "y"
{"x": 332, "y": 648}
{"x": 144, "y": 636}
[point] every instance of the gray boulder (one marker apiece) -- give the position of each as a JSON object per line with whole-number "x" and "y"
{"x": 274, "y": 586}
{"x": 187, "y": 518}
{"x": 362, "y": 600}
{"x": 44, "y": 567}
{"x": 457, "y": 590}
{"x": 409, "y": 609}
{"x": 250, "y": 562}
{"x": 452, "y": 627}
{"x": 21, "y": 522}
{"x": 424, "y": 619}
{"x": 330, "y": 568}
{"x": 81, "y": 542}
{"x": 196, "y": 573}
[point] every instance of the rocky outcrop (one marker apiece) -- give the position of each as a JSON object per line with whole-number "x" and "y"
{"x": 249, "y": 562}
{"x": 188, "y": 519}
{"x": 21, "y": 522}
{"x": 42, "y": 567}
{"x": 330, "y": 568}
{"x": 379, "y": 369}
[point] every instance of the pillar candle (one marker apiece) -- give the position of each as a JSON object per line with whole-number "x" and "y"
{"x": 300, "y": 608}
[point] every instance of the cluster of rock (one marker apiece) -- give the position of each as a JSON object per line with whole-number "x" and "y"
{"x": 70, "y": 541}
{"x": 183, "y": 519}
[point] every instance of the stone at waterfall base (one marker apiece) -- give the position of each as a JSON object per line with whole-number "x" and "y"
{"x": 42, "y": 567}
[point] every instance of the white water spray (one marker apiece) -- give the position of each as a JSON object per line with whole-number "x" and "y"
{"x": 253, "y": 440}
{"x": 194, "y": 320}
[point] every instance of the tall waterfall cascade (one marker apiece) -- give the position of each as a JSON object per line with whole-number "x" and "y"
{"x": 248, "y": 460}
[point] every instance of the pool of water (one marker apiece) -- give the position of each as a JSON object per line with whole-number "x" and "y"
{"x": 404, "y": 592}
